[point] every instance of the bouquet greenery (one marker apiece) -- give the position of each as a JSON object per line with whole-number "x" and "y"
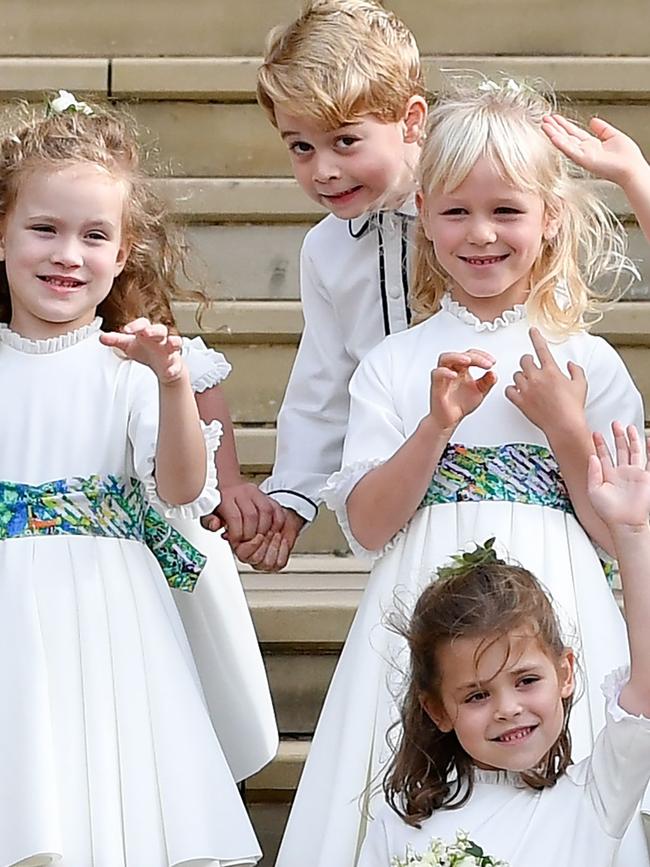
{"x": 462, "y": 853}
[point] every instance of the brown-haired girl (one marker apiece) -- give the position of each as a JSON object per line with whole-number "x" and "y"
{"x": 109, "y": 756}
{"x": 485, "y": 745}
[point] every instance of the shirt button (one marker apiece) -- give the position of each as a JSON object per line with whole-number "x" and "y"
{"x": 395, "y": 292}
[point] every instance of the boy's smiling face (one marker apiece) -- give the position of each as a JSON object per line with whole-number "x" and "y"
{"x": 360, "y": 165}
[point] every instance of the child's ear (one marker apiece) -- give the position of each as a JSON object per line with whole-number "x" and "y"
{"x": 122, "y": 256}
{"x": 552, "y": 221}
{"x": 566, "y": 674}
{"x": 436, "y": 713}
{"x": 414, "y": 119}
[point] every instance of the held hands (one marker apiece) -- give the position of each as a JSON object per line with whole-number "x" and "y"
{"x": 544, "y": 394}
{"x": 151, "y": 345}
{"x": 605, "y": 151}
{"x": 454, "y": 392}
{"x": 244, "y": 511}
{"x": 270, "y": 552}
{"x": 620, "y": 493}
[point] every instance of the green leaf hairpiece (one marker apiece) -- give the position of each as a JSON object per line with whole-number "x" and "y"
{"x": 465, "y": 561}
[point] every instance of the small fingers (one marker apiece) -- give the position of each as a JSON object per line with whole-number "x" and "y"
{"x": 528, "y": 365}
{"x": 514, "y": 396}
{"x": 621, "y": 445}
{"x": 594, "y": 473}
{"x": 211, "y": 522}
{"x": 136, "y": 325}
{"x": 541, "y": 348}
{"x": 486, "y": 382}
{"x": 602, "y": 451}
{"x": 463, "y": 360}
{"x": 637, "y": 453}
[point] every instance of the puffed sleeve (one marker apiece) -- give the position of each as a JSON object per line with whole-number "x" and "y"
{"x": 143, "y": 436}
{"x": 313, "y": 417}
{"x": 620, "y": 762}
{"x": 206, "y": 366}
{"x": 612, "y": 394}
{"x": 375, "y": 432}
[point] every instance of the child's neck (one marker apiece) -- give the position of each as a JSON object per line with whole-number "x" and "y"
{"x": 489, "y": 308}
{"x": 33, "y": 328}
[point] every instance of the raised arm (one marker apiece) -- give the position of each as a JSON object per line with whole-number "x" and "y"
{"x": 387, "y": 497}
{"x": 180, "y": 467}
{"x": 620, "y": 494}
{"x": 609, "y": 154}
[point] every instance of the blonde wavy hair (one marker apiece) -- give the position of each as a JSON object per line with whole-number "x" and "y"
{"x": 107, "y": 139}
{"x": 477, "y": 118}
{"x": 340, "y": 59}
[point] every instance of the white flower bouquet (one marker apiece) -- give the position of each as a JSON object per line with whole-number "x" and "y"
{"x": 462, "y": 853}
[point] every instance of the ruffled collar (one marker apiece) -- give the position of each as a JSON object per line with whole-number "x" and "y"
{"x": 508, "y": 317}
{"x": 48, "y": 344}
{"x": 498, "y": 778}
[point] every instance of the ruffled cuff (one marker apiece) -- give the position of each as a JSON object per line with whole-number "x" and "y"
{"x": 208, "y": 499}
{"x": 611, "y": 688}
{"x": 206, "y": 367}
{"x": 335, "y": 493}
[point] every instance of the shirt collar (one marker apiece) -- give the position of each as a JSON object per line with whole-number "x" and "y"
{"x": 366, "y": 222}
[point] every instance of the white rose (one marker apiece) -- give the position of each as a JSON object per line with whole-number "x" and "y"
{"x": 66, "y": 101}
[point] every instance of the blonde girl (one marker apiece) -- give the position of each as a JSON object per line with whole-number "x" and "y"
{"x": 474, "y": 424}
{"x": 109, "y": 755}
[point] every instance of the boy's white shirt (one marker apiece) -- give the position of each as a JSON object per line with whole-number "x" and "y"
{"x": 354, "y": 287}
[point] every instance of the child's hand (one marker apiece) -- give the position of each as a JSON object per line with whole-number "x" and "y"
{"x": 608, "y": 153}
{"x": 151, "y": 345}
{"x": 620, "y": 494}
{"x": 454, "y": 392}
{"x": 270, "y": 552}
{"x": 245, "y": 511}
{"x": 544, "y": 394}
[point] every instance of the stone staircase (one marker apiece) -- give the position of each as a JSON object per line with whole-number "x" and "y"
{"x": 187, "y": 72}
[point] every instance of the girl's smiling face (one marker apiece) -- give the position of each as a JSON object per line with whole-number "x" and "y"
{"x": 487, "y": 235}
{"x": 502, "y": 696}
{"x": 61, "y": 242}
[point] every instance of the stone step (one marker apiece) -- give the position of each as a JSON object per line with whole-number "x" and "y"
{"x": 233, "y": 79}
{"x": 155, "y": 27}
{"x": 310, "y": 605}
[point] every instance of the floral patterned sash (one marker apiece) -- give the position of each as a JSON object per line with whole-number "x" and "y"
{"x": 107, "y": 506}
{"x": 516, "y": 473}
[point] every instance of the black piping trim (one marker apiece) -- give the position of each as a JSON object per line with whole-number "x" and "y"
{"x": 362, "y": 231}
{"x": 295, "y": 494}
{"x": 405, "y": 269}
{"x": 382, "y": 273}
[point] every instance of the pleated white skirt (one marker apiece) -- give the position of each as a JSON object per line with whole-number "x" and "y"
{"x": 108, "y": 757}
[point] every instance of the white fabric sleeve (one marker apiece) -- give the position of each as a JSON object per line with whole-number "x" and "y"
{"x": 620, "y": 762}
{"x": 612, "y": 394}
{"x": 375, "y": 433}
{"x": 206, "y": 367}
{"x": 375, "y": 851}
{"x": 314, "y": 414}
{"x": 143, "y": 436}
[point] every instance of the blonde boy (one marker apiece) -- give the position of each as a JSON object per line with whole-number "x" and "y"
{"x": 343, "y": 86}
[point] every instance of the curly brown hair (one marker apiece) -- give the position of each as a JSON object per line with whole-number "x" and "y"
{"x": 108, "y": 139}
{"x": 430, "y": 770}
